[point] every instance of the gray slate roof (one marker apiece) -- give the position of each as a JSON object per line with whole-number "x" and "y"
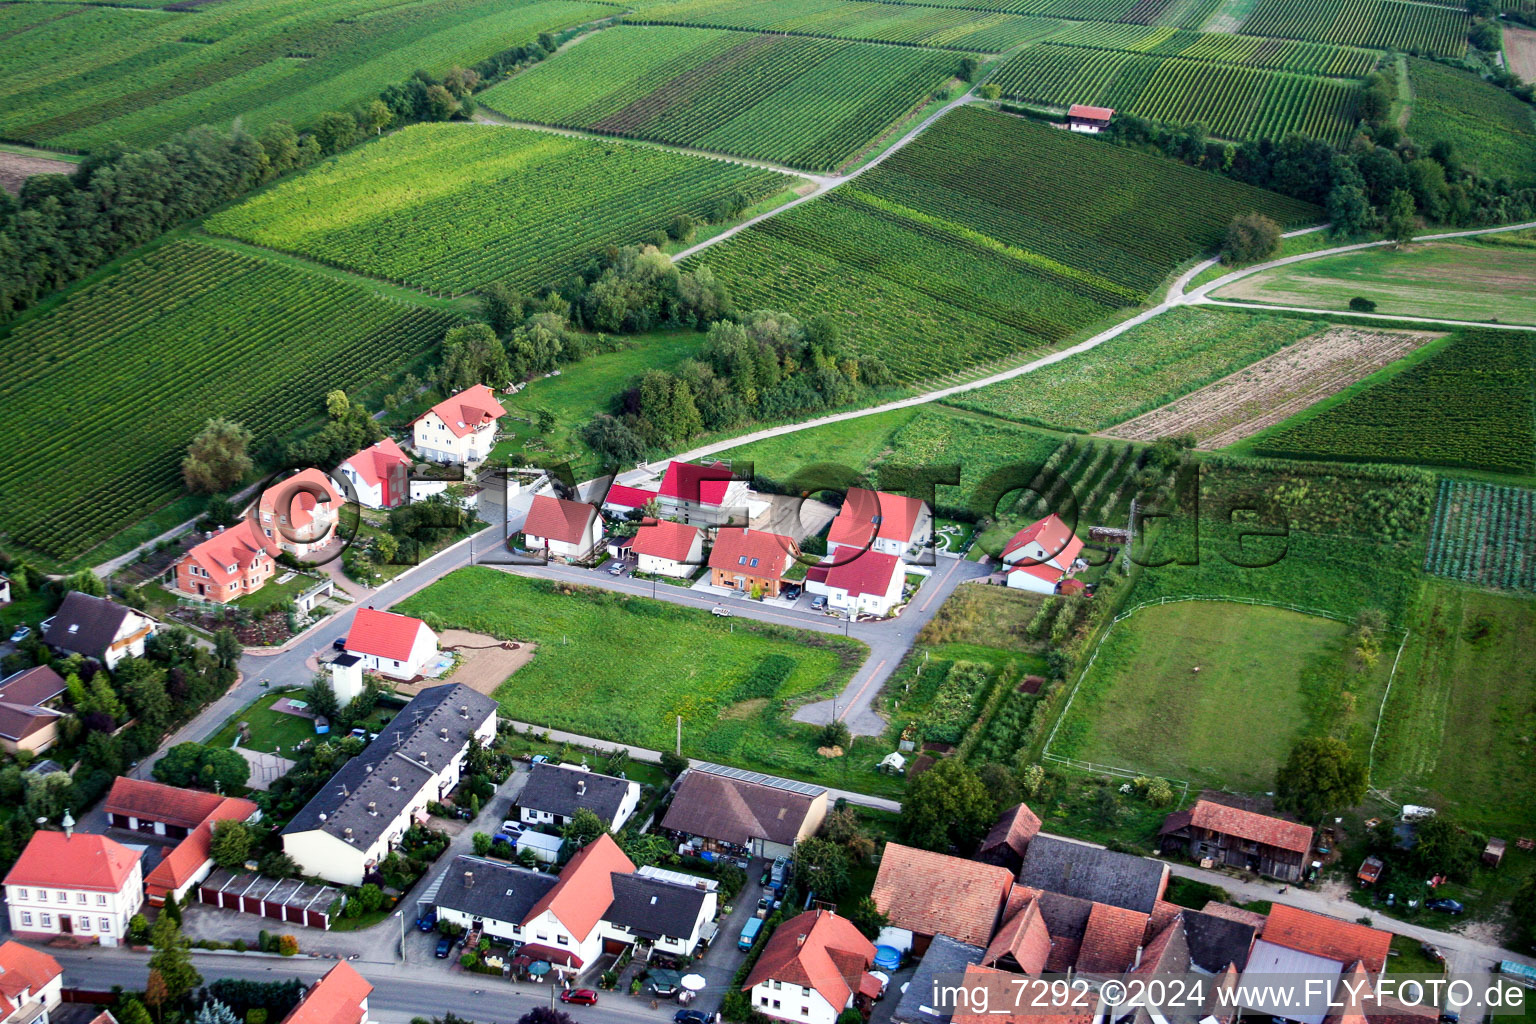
{"x": 85, "y": 625}
{"x": 945, "y": 956}
{"x": 1092, "y": 873}
{"x": 496, "y": 890}
{"x": 651, "y": 908}
{"x": 391, "y": 770}
{"x": 553, "y": 788}
{"x": 1215, "y": 942}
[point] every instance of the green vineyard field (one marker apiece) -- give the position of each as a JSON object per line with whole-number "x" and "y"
{"x": 1490, "y": 129}
{"x": 1175, "y": 13}
{"x": 1383, "y": 24}
{"x": 942, "y": 27}
{"x": 807, "y": 102}
{"x": 1484, "y": 534}
{"x": 1224, "y": 48}
{"x": 96, "y": 74}
{"x": 450, "y": 207}
{"x": 1230, "y": 100}
{"x": 1470, "y": 405}
{"x": 181, "y": 334}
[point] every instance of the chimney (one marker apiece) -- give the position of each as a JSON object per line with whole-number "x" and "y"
{"x": 69, "y": 824}
{"x": 581, "y": 787}
{"x": 373, "y": 808}
{"x": 348, "y": 833}
{"x": 444, "y": 734}
{"x": 799, "y": 939}
{"x": 469, "y": 879}
{"x": 464, "y": 711}
{"x": 394, "y": 782}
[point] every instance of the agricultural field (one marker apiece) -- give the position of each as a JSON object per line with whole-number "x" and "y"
{"x": 1146, "y": 367}
{"x": 1455, "y": 733}
{"x": 18, "y": 163}
{"x": 1274, "y": 388}
{"x": 1467, "y": 404}
{"x": 1425, "y": 28}
{"x": 1174, "y": 13}
{"x": 1232, "y": 101}
{"x": 1490, "y": 129}
{"x": 1484, "y": 534}
{"x": 180, "y": 334}
{"x": 451, "y": 207}
{"x": 976, "y": 242}
{"x": 97, "y": 74}
{"x": 733, "y": 685}
{"x": 1451, "y": 280}
{"x": 806, "y": 102}
{"x": 938, "y": 27}
{"x": 1170, "y": 680}
{"x": 1321, "y": 59}
{"x": 1520, "y": 49}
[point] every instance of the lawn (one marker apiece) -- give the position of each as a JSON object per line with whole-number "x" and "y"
{"x": 1463, "y": 706}
{"x": 274, "y": 594}
{"x": 854, "y": 444}
{"x": 271, "y": 731}
{"x": 674, "y": 662}
{"x": 1215, "y": 693}
{"x": 1452, "y": 280}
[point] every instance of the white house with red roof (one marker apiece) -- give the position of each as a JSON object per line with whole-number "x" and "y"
{"x": 815, "y": 966}
{"x": 341, "y": 997}
{"x": 31, "y": 982}
{"x": 668, "y": 549}
{"x": 68, "y": 884}
{"x": 709, "y": 495}
{"x": 1040, "y": 555}
{"x": 891, "y": 524}
{"x": 622, "y": 499}
{"x": 562, "y": 927}
{"x": 866, "y": 584}
{"x": 1087, "y": 119}
{"x": 745, "y": 560}
{"x": 460, "y": 428}
{"x": 564, "y": 528}
{"x": 299, "y": 514}
{"x": 380, "y": 474}
{"x": 233, "y": 561}
{"x": 395, "y": 646}
{"x": 158, "y": 809}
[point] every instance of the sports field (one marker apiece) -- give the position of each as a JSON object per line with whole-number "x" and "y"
{"x": 1214, "y": 693}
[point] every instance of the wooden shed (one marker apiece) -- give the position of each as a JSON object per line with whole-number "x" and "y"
{"x": 1493, "y": 853}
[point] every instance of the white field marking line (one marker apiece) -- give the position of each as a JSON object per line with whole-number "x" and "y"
{"x": 1370, "y": 316}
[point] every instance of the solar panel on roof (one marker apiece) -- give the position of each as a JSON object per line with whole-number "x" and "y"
{"x": 758, "y": 778}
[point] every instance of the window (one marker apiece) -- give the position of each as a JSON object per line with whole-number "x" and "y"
{"x": 101, "y": 899}
{"x": 42, "y": 895}
{"x": 775, "y": 985}
{"x": 21, "y": 894}
{"x": 46, "y": 920}
{"x": 742, "y": 560}
{"x": 754, "y": 563}
{"x": 805, "y": 1011}
{"x": 775, "y": 1004}
{"x": 563, "y": 940}
{"x": 762, "y": 1000}
{"x": 85, "y": 923}
{"x": 26, "y": 918}
{"x": 106, "y": 923}
{"x": 63, "y": 897}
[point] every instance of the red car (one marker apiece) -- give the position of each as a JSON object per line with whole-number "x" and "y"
{"x": 583, "y": 996}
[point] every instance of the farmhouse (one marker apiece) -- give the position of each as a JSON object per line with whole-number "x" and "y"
{"x": 1093, "y": 873}
{"x": 925, "y": 894}
{"x": 555, "y": 792}
{"x": 97, "y": 628}
{"x": 233, "y": 561}
{"x": 1210, "y": 831}
{"x": 380, "y": 474}
{"x": 31, "y": 982}
{"x": 731, "y": 811}
{"x": 1009, "y": 838}
{"x": 187, "y": 814}
{"x": 814, "y": 967}
{"x": 891, "y": 524}
{"x": 563, "y": 528}
{"x": 396, "y": 646}
{"x": 1088, "y": 120}
{"x": 362, "y": 813}
{"x": 28, "y": 718}
{"x": 668, "y": 549}
{"x": 1023, "y": 943}
{"x": 1038, "y": 556}
{"x": 461, "y": 428}
{"x": 751, "y": 560}
{"x": 66, "y": 884}
{"x": 341, "y": 997}
{"x": 866, "y": 584}
{"x": 707, "y": 495}
{"x": 299, "y": 514}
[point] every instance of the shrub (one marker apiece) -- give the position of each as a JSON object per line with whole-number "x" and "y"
{"x": 468, "y": 960}
{"x": 287, "y": 945}
{"x": 256, "y": 1015}
{"x": 1360, "y": 304}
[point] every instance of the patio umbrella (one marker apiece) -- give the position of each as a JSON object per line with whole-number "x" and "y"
{"x": 693, "y": 982}
{"x": 539, "y": 968}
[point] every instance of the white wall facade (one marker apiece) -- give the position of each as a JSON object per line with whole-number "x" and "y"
{"x": 869, "y": 604}
{"x": 368, "y": 495}
{"x": 683, "y": 945}
{"x": 422, "y": 649}
{"x": 90, "y": 912}
{"x": 547, "y": 930}
{"x": 789, "y": 1001}
{"x": 658, "y": 566}
{"x": 576, "y": 552}
{"x": 1021, "y": 580}
{"x": 431, "y": 437}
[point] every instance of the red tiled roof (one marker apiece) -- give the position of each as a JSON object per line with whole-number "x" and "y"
{"x": 817, "y": 949}
{"x": 336, "y": 998}
{"x": 35, "y": 686}
{"x": 1234, "y": 821}
{"x": 868, "y": 573}
{"x": 856, "y": 522}
{"x": 384, "y": 634}
{"x": 1111, "y": 939}
{"x": 156, "y": 801}
{"x": 468, "y": 410}
{"x": 558, "y": 519}
{"x": 238, "y": 545}
{"x": 1162, "y": 913}
{"x": 1082, "y": 110}
{"x": 1225, "y": 910}
{"x": 585, "y": 888}
{"x": 622, "y": 496}
{"x": 1001, "y": 993}
{"x": 1014, "y": 829}
{"x": 1025, "y": 937}
{"x": 374, "y": 462}
{"x": 18, "y": 721}
{"x": 688, "y": 481}
{"x": 665, "y": 539}
{"x": 24, "y": 969}
{"x": 554, "y": 954}
{"x": 1326, "y": 936}
{"x": 1061, "y": 545}
{"x": 929, "y": 893}
{"x": 80, "y": 861}
{"x": 182, "y": 863}
{"x": 298, "y": 497}
{"x": 752, "y": 552}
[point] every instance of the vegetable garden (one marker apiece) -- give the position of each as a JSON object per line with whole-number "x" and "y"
{"x": 451, "y": 207}
{"x": 1383, "y": 24}
{"x": 106, "y": 391}
{"x": 807, "y": 102}
{"x": 1484, "y": 534}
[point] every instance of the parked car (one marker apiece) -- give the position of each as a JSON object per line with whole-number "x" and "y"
{"x": 724, "y": 613}
{"x": 340, "y": 643}
{"x": 540, "y": 759}
{"x": 502, "y": 837}
{"x": 579, "y": 996}
{"x": 511, "y": 827}
{"x": 689, "y": 1017}
{"x": 819, "y": 603}
{"x": 792, "y": 592}
{"x": 426, "y": 922}
{"x": 617, "y": 569}
{"x": 1432, "y": 952}
{"x": 1446, "y": 906}
{"x": 22, "y": 632}
{"x": 444, "y": 947}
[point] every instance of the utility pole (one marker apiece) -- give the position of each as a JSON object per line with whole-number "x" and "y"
{"x": 679, "y": 748}
{"x": 1130, "y": 538}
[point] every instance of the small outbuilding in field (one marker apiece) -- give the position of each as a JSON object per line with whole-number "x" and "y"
{"x": 1091, "y": 120}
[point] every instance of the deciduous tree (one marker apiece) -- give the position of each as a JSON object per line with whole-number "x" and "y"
{"x": 217, "y": 458}
{"x": 1322, "y": 776}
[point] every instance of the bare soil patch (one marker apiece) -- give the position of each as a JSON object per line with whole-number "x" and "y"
{"x": 1274, "y": 388}
{"x": 1520, "y": 48}
{"x": 16, "y": 168}
{"x": 485, "y": 662}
